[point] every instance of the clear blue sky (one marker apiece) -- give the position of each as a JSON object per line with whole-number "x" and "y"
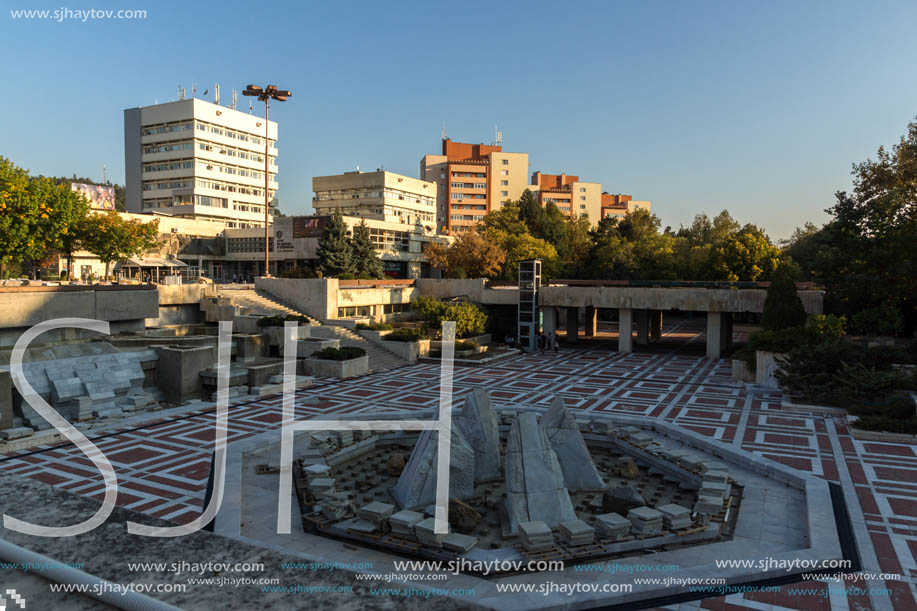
{"x": 758, "y": 107}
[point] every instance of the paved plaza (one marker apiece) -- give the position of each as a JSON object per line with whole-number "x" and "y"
{"x": 163, "y": 464}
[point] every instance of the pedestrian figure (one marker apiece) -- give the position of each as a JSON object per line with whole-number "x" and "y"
{"x": 542, "y": 341}
{"x": 554, "y": 343}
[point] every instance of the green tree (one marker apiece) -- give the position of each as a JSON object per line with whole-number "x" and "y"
{"x": 866, "y": 253}
{"x": 573, "y": 249}
{"x": 747, "y": 255}
{"x": 366, "y": 262}
{"x": 469, "y": 318}
{"x": 335, "y": 250}
{"x": 112, "y": 238}
{"x": 470, "y": 255}
{"x": 19, "y": 215}
{"x": 783, "y": 308}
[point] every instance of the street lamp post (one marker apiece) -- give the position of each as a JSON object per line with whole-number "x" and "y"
{"x": 266, "y": 95}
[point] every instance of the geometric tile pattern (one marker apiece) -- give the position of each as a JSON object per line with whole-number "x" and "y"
{"x": 163, "y": 465}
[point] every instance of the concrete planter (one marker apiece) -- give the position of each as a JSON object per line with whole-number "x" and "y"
{"x": 479, "y": 339}
{"x": 740, "y": 371}
{"x": 275, "y": 335}
{"x": 409, "y": 351}
{"x": 322, "y": 368}
{"x": 350, "y": 323}
{"x": 246, "y": 323}
{"x": 305, "y": 347}
{"x": 438, "y": 345}
{"x": 767, "y": 366}
{"x": 373, "y": 336}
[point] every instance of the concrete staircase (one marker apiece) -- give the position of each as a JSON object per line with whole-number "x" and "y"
{"x": 264, "y": 304}
{"x": 379, "y": 357}
{"x": 259, "y": 303}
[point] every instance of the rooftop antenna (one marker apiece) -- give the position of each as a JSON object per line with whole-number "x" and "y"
{"x": 179, "y": 91}
{"x": 499, "y": 136}
{"x": 444, "y": 130}
{"x": 235, "y": 98}
{"x": 104, "y": 174}
{"x": 193, "y": 90}
{"x": 216, "y": 93}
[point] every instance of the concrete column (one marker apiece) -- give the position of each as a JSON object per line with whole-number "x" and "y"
{"x": 572, "y": 324}
{"x": 643, "y": 327}
{"x": 625, "y": 330}
{"x": 590, "y": 321}
{"x": 655, "y": 325}
{"x": 727, "y": 336}
{"x": 714, "y": 334}
{"x": 548, "y": 320}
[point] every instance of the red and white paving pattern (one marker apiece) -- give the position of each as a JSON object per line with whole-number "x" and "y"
{"x": 163, "y": 465}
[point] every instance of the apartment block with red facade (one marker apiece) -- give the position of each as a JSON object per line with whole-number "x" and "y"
{"x": 472, "y": 180}
{"x": 572, "y": 196}
{"x": 619, "y": 205}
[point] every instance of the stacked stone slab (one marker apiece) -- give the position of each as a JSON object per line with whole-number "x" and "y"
{"x": 457, "y": 542}
{"x": 612, "y": 526}
{"x": 375, "y": 513}
{"x": 423, "y": 530}
{"x": 416, "y": 486}
{"x": 535, "y": 536}
{"x": 645, "y": 521}
{"x": 478, "y": 423}
{"x": 105, "y": 381}
{"x": 535, "y": 488}
{"x": 577, "y": 532}
{"x": 567, "y": 442}
{"x": 404, "y": 521}
{"x": 675, "y": 517}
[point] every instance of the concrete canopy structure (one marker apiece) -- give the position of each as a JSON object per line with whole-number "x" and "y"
{"x": 645, "y": 305}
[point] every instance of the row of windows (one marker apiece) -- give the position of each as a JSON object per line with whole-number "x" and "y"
{"x": 468, "y": 185}
{"x": 201, "y": 127}
{"x": 390, "y": 240}
{"x": 248, "y": 244}
{"x": 396, "y": 308}
{"x": 168, "y": 147}
{"x": 388, "y": 193}
{"x": 170, "y": 165}
{"x": 234, "y": 152}
{"x": 469, "y": 175}
{"x": 466, "y": 217}
{"x": 468, "y": 207}
{"x": 229, "y": 133}
{"x": 468, "y": 196}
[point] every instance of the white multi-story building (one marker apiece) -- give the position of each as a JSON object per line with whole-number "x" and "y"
{"x": 192, "y": 158}
{"x": 380, "y": 195}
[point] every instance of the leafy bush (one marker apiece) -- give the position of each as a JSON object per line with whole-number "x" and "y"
{"x": 886, "y": 424}
{"x": 404, "y": 335}
{"x": 881, "y": 320}
{"x": 379, "y": 326}
{"x": 339, "y": 354}
{"x": 827, "y": 326}
{"x": 469, "y": 319}
{"x": 277, "y": 321}
{"x": 783, "y": 308}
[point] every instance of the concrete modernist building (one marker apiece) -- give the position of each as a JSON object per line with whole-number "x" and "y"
{"x": 379, "y": 195}
{"x": 196, "y": 159}
{"x": 472, "y": 180}
{"x": 571, "y": 195}
{"x": 617, "y": 206}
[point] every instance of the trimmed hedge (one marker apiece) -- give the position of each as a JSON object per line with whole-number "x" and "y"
{"x": 346, "y": 353}
{"x": 277, "y": 321}
{"x": 379, "y": 326}
{"x": 404, "y": 335}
